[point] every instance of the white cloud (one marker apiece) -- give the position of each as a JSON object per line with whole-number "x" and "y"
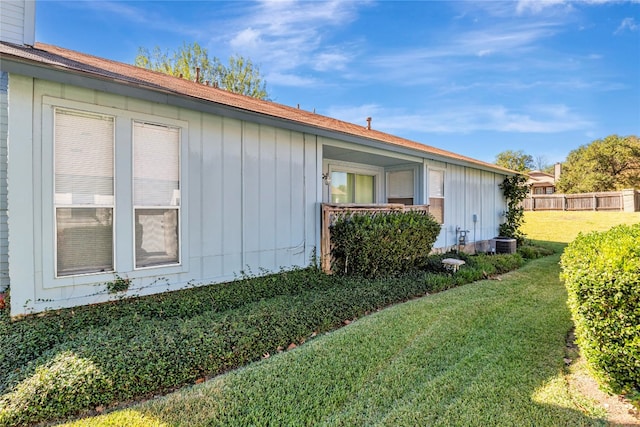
{"x": 536, "y": 6}
{"x": 326, "y": 61}
{"x": 247, "y": 38}
{"x": 540, "y": 119}
{"x": 510, "y": 48}
{"x": 628, "y": 24}
{"x": 291, "y": 34}
{"x": 290, "y": 79}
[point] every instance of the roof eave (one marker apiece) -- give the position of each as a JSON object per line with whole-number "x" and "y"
{"x": 154, "y": 93}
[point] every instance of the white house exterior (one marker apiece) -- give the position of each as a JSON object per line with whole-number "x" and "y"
{"x": 110, "y": 170}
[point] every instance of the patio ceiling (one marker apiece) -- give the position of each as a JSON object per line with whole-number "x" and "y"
{"x": 354, "y": 156}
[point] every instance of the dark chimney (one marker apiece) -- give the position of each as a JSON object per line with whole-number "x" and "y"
{"x": 368, "y": 123}
{"x": 197, "y": 74}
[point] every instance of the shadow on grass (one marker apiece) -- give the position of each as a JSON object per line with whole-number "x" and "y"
{"x": 489, "y": 353}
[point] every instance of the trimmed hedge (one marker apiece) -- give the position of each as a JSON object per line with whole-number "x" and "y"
{"x": 62, "y": 363}
{"x": 602, "y": 275}
{"x": 384, "y": 244}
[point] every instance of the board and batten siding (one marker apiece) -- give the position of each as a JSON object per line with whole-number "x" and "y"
{"x": 4, "y": 230}
{"x": 470, "y": 191}
{"x": 249, "y": 199}
{"x": 17, "y": 21}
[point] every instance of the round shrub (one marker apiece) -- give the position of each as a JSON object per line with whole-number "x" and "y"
{"x": 382, "y": 244}
{"x": 602, "y": 275}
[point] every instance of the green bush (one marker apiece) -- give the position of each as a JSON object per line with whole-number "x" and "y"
{"x": 61, "y": 363}
{"x": 382, "y": 244}
{"x": 602, "y": 275}
{"x": 529, "y": 251}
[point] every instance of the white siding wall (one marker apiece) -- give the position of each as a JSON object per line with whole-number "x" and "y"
{"x": 17, "y": 21}
{"x": 4, "y": 231}
{"x": 470, "y": 191}
{"x": 249, "y": 199}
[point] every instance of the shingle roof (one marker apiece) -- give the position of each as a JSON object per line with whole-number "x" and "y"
{"x": 60, "y": 58}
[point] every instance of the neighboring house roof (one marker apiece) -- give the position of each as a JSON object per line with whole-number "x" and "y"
{"x": 541, "y": 179}
{"x": 75, "y": 62}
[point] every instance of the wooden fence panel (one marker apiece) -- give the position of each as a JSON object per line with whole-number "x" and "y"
{"x": 331, "y": 212}
{"x": 606, "y": 201}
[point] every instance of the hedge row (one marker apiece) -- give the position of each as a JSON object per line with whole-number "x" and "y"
{"x": 602, "y": 275}
{"x": 384, "y": 244}
{"x": 66, "y": 362}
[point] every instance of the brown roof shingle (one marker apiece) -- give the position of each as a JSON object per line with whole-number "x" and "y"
{"x": 57, "y": 57}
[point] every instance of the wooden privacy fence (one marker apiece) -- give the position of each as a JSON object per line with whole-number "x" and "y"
{"x": 332, "y": 212}
{"x": 625, "y": 200}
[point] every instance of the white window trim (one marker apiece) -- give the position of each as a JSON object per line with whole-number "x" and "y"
{"x": 444, "y": 190}
{"x": 360, "y": 169}
{"x": 55, "y": 206}
{"x": 178, "y": 207}
{"x": 46, "y": 245}
{"x": 416, "y": 184}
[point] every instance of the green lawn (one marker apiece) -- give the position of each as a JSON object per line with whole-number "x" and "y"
{"x": 558, "y": 226}
{"x": 488, "y": 353}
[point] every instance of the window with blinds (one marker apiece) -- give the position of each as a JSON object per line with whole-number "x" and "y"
{"x": 400, "y": 187}
{"x": 156, "y": 194}
{"x": 84, "y": 190}
{"x": 436, "y": 194}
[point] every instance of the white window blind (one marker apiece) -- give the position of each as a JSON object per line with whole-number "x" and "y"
{"x": 156, "y": 165}
{"x": 83, "y": 158}
{"x": 436, "y": 183}
{"x": 84, "y": 190}
{"x": 436, "y": 194}
{"x": 156, "y": 194}
{"x": 400, "y": 184}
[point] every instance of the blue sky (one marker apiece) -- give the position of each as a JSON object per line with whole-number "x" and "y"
{"x": 475, "y": 78}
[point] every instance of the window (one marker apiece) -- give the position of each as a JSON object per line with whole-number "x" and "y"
{"x": 436, "y": 194}
{"x": 349, "y": 187}
{"x": 84, "y": 191}
{"x": 400, "y": 187}
{"x": 156, "y": 194}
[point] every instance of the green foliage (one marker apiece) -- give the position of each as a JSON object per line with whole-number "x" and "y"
{"x": 64, "y": 384}
{"x": 608, "y": 164}
{"x": 382, "y": 244}
{"x": 515, "y": 160}
{"x": 602, "y": 275}
{"x": 515, "y": 191}
{"x": 60, "y": 363}
{"x": 118, "y": 284}
{"x": 529, "y": 251}
{"x": 239, "y": 76}
{"x": 489, "y": 354}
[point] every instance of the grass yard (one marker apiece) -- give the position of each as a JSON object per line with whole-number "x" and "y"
{"x": 559, "y": 226}
{"x": 489, "y": 353}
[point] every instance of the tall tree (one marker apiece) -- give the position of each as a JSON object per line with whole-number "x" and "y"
{"x": 608, "y": 164}
{"x": 540, "y": 162}
{"x": 239, "y": 76}
{"x": 515, "y": 160}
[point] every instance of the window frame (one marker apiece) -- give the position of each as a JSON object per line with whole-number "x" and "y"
{"x": 123, "y": 245}
{"x": 444, "y": 189}
{"x": 55, "y": 205}
{"x": 414, "y": 187}
{"x": 358, "y": 169}
{"x": 135, "y": 207}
